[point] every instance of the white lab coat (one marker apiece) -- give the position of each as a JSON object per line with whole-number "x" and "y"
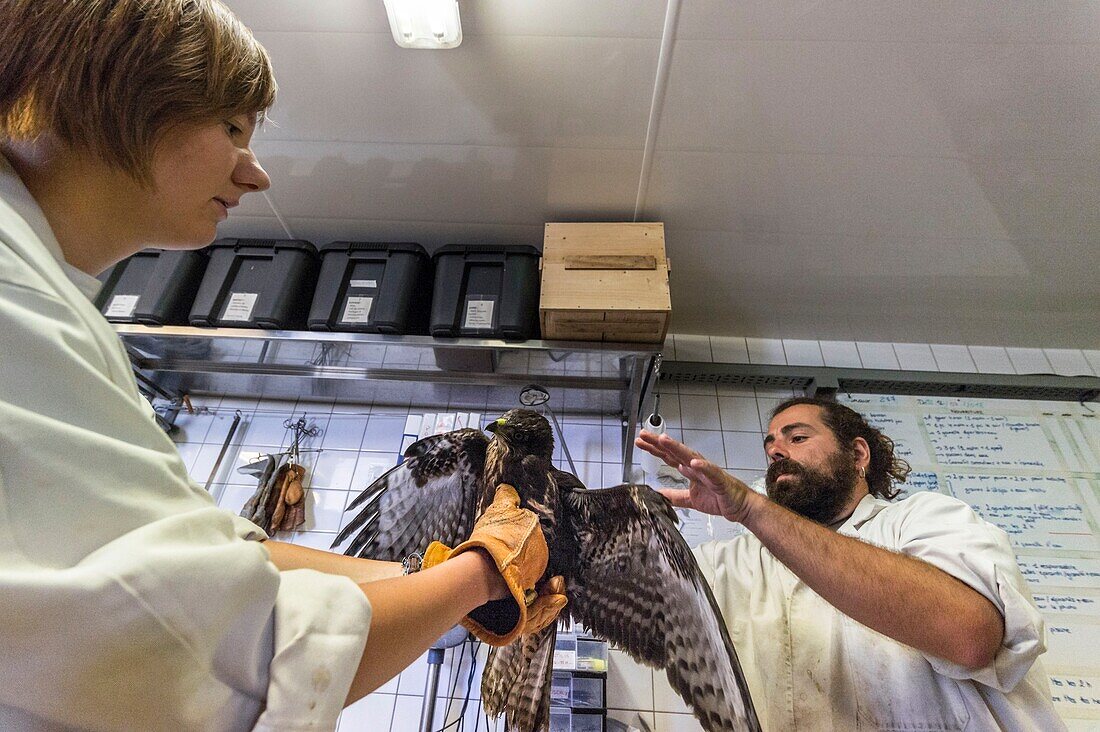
{"x": 128, "y": 600}
{"x": 809, "y": 667}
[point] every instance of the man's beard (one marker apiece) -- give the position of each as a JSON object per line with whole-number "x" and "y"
{"x": 816, "y": 494}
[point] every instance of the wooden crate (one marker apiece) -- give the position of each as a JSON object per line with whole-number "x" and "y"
{"x": 605, "y": 282}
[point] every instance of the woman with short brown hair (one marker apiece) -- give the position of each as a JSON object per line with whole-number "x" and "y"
{"x": 129, "y": 600}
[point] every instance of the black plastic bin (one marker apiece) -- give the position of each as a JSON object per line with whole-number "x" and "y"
{"x": 152, "y": 287}
{"x": 257, "y": 283}
{"x": 486, "y": 291}
{"x": 368, "y": 287}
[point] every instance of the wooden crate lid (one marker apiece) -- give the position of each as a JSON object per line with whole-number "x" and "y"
{"x": 605, "y": 266}
{"x": 564, "y": 240}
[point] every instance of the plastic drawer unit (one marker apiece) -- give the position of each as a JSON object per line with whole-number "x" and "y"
{"x": 575, "y": 720}
{"x": 152, "y": 287}
{"x": 579, "y": 653}
{"x": 578, "y": 689}
{"x": 486, "y": 291}
{"x": 369, "y": 287}
{"x": 257, "y": 283}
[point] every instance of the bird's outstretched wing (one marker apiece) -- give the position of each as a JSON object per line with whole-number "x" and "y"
{"x": 636, "y": 583}
{"x": 431, "y": 496}
{"x": 516, "y": 681}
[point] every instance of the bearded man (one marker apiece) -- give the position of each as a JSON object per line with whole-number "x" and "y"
{"x": 852, "y": 611}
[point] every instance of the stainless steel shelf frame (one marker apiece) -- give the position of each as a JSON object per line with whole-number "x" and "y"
{"x": 408, "y": 371}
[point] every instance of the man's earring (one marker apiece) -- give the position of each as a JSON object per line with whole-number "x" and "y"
{"x": 862, "y": 472}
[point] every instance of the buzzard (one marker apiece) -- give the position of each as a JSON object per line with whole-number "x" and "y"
{"x": 630, "y": 576}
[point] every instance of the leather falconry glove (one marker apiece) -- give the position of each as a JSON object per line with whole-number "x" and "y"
{"x": 512, "y": 537}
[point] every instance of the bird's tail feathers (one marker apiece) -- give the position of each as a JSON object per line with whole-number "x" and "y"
{"x": 517, "y": 679}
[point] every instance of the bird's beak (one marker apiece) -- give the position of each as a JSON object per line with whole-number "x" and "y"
{"x": 495, "y": 425}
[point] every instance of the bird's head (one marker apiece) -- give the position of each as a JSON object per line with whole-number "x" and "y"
{"x": 526, "y": 431}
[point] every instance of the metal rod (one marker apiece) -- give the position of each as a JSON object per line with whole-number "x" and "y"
{"x": 225, "y": 446}
{"x": 153, "y": 387}
{"x": 657, "y": 102}
{"x": 564, "y": 444}
{"x": 631, "y": 411}
{"x": 431, "y": 690}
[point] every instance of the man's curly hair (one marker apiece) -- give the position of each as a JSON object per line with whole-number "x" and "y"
{"x": 846, "y": 424}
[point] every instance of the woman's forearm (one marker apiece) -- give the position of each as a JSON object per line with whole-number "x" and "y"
{"x": 291, "y": 556}
{"x": 410, "y": 613}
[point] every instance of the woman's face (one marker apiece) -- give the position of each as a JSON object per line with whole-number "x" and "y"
{"x": 199, "y": 174}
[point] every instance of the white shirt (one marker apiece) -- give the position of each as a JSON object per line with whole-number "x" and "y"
{"x": 128, "y": 600}
{"x": 810, "y": 667}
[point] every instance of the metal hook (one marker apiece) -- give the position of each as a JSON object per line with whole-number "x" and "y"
{"x": 300, "y": 428}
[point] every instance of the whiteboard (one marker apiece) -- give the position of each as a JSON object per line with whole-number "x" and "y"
{"x": 1033, "y": 469}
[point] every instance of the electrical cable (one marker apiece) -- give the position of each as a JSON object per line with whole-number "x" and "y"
{"x": 474, "y": 647}
{"x": 470, "y": 681}
{"x": 450, "y": 700}
{"x": 460, "y": 720}
{"x": 454, "y": 684}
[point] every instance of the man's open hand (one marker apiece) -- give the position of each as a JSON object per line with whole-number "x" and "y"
{"x": 712, "y": 490}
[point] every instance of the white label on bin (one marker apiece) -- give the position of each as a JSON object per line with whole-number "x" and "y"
{"x": 357, "y": 310}
{"x": 240, "y": 306}
{"x": 479, "y": 314}
{"x": 369, "y": 284}
{"x": 565, "y": 658}
{"x": 122, "y": 306}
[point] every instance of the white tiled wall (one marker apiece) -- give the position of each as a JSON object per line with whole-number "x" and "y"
{"x": 358, "y": 442}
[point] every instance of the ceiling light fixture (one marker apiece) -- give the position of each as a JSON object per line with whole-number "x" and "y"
{"x": 424, "y": 23}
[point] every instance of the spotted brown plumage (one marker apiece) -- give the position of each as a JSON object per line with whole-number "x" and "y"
{"x": 434, "y": 494}
{"x": 630, "y": 576}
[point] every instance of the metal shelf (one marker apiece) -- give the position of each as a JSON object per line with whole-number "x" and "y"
{"x": 414, "y": 371}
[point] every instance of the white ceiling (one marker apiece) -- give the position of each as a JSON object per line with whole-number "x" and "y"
{"x": 875, "y": 170}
